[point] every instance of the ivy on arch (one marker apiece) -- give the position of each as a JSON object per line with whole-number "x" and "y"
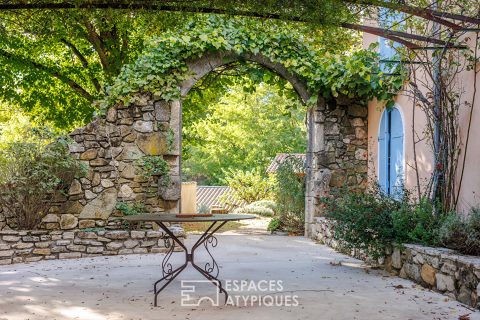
{"x": 162, "y": 65}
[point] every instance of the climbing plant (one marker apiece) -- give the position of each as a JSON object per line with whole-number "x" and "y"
{"x": 162, "y": 65}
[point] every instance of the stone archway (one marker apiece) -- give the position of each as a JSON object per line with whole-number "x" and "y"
{"x": 150, "y": 126}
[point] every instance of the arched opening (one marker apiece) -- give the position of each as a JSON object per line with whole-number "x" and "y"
{"x": 240, "y": 117}
{"x": 391, "y": 169}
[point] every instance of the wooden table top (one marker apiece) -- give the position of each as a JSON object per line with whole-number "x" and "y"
{"x": 168, "y": 217}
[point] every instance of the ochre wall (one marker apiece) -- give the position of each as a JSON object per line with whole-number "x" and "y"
{"x": 470, "y": 190}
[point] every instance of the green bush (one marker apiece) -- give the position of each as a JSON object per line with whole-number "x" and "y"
{"x": 289, "y": 194}
{"x": 363, "y": 219}
{"x": 262, "y": 211}
{"x": 32, "y": 176}
{"x": 372, "y": 221}
{"x": 274, "y": 224}
{"x": 264, "y": 208}
{"x": 462, "y": 234}
{"x": 270, "y": 204}
{"x": 249, "y": 186}
{"x": 417, "y": 223}
{"x": 130, "y": 209}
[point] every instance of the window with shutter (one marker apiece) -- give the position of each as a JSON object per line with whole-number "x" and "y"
{"x": 390, "y": 153}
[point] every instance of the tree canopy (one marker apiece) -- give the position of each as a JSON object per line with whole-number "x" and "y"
{"x": 262, "y": 112}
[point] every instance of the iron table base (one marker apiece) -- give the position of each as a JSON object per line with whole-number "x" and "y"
{"x": 210, "y": 270}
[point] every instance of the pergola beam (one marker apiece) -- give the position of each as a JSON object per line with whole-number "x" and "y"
{"x": 396, "y": 36}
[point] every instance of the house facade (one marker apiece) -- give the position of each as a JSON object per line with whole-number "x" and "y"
{"x": 399, "y": 150}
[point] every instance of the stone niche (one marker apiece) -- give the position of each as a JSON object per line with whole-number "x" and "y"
{"x": 112, "y": 147}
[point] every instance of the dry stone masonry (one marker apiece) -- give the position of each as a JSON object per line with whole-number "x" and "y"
{"x": 31, "y": 246}
{"x": 440, "y": 269}
{"x": 337, "y": 151}
{"x": 112, "y": 147}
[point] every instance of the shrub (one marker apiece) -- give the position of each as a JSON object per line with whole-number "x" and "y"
{"x": 32, "y": 176}
{"x": 417, "y": 223}
{"x": 262, "y": 211}
{"x": 363, "y": 219}
{"x": 264, "y": 208}
{"x": 371, "y": 221}
{"x": 462, "y": 234}
{"x": 130, "y": 209}
{"x": 249, "y": 186}
{"x": 274, "y": 224}
{"x": 289, "y": 194}
{"x": 270, "y": 204}
{"x": 204, "y": 209}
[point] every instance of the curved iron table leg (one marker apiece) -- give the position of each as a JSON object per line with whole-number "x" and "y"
{"x": 210, "y": 270}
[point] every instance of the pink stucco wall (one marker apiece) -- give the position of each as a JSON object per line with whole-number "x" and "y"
{"x": 470, "y": 189}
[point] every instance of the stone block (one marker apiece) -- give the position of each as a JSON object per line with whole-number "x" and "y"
{"x": 155, "y": 234}
{"x": 75, "y": 188}
{"x": 86, "y": 224}
{"x": 101, "y": 207}
{"x": 117, "y": 234}
{"x": 445, "y": 282}
{"x": 153, "y": 144}
{"x": 397, "y": 258}
{"x": 428, "y": 274}
{"x": 125, "y": 192}
{"x": 68, "y": 235}
{"x": 43, "y": 244}
{"x": 51, "y": 218}
{"x": 89, "y": 155}
{"x": 125, "y": 251}
{"x": 137, "y": 234}
{"x": 129, "y": 244}
{"x": 162, "y": 110}
{"x": 5, "y": 261}
{"x": 11, "y": 238}
{"x": 70, "y": 255}
{"x": 114, "y": 245}
{"x": 68, "y": 221}
{"x": 87, "y": 235}
{"x": 42, "y": 251}
{"x": 158, "y": 250}
{"x": 76, "y": 247}
{"x": 449, "y": 267}
{"x": 33, "y": 259}
{"x": 6, "y": 253}
{"x": 95, "y": 249}
{"x": 58, "y": 249}
{"x": 143, "y": 126}
{"x": 140, "y": 250}
{"x": 150, "y": 243}
{"x": 22, "y": 245}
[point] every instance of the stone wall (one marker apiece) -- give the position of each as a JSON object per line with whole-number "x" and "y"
{"x": 440, "y": 269}
{"x": 31, "y": 246}
{"x": 337, "y": 151}
{"x": 112, "y": 147}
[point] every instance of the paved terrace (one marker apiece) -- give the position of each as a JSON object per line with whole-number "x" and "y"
{"x": 329, "y": 285}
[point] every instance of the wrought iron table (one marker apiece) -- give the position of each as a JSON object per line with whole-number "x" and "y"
{"x": 210, "y": 270}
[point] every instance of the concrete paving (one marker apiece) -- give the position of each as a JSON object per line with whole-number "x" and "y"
{"x": 326, "y": 284}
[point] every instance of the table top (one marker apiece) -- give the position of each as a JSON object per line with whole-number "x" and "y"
{"x": 168, "y": 217}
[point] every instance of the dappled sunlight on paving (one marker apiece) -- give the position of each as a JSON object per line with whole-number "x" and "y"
{"x": 329, "y": 285}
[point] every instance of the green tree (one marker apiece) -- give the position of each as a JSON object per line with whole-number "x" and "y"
{"x": 243, "y": 130}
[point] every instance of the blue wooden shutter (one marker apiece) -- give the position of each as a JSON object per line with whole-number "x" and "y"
{"x": 396, "y": 153}
{"x": 383, "y": 152}
{"x": 387, "y": 49}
